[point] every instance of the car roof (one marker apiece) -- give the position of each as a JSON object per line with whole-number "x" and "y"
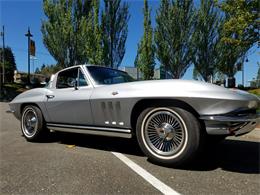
{"x": 88, "y": 65}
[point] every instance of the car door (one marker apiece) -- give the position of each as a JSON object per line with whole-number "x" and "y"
{"x": 69, "y": 101}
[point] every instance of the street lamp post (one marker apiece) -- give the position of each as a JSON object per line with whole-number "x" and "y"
{"x": 243, "y": 71}
{"x": 29, "y": 35}
{"x": 33, "y": 58}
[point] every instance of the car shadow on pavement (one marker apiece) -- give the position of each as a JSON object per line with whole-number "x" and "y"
{"x": 230, "y": 155}
{"x": 113, "y": 144}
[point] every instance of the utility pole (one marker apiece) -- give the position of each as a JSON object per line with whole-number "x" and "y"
{"x": 3, "y": 58}
{"x": 3, "y": 54}
{"x": 243, "y": 75}
{"x": 29, "y": 35}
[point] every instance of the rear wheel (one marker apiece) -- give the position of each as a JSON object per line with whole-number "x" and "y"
{"x": 169, "y": 136}
{"x": 32, "y": 123}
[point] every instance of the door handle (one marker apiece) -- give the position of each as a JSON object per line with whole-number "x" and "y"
{"x": 50, "y": 96}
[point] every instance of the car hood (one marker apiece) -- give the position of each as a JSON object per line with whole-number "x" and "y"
{"x": 176, "y": 88}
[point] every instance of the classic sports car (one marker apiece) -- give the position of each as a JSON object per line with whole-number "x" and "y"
{"x": 170, "y": 118}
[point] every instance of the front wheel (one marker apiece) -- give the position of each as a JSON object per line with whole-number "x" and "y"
{"x": 32, "y": 124}
{"x": 169, "y": 136}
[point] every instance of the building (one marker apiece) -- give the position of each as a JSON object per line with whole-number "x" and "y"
{"x": 132, "y": 71}
{"x": 255, "y": 83}
{"x": 21, "y": 77}
{"x": 159, "y": 73}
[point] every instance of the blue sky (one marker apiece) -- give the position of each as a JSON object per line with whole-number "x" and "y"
{"x": 17, "y": 15}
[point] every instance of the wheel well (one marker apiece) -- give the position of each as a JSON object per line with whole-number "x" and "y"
{"x": 27, "y": 104}
{"x": 32, "y": 104}
{"x": 145, "y": 103}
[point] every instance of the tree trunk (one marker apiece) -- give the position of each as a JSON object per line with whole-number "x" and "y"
{"x": 231, "y": 82}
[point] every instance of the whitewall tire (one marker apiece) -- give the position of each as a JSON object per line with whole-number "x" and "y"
{"x": 169, "y": 136}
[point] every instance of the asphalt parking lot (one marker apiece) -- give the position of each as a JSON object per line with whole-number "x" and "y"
{"x": 84, "y": 164}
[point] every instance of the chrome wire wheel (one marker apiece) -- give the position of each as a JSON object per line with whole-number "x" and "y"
{"x": 29, "y": 122}
{"x": 164, "y": 133}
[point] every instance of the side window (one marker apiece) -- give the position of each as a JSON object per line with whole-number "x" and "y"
{"x": 82, "y": 80}
{"x": 67, "y": 78}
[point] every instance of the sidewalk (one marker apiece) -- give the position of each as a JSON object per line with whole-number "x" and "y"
{"x": 255, "y": 134}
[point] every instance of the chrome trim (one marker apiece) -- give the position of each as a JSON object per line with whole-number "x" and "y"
{"x": 223, "y": 118}
{"x": 30, "y": 122}
{"x": 227, "y": 130}
{"x": 217, "y": 130}
{"x": 164, "y": 132}
{"x": 245, "y": 129}
{"x": 163, "y": 155}
{"x": 230, "y": 125}
{"x": 106, "y": 131}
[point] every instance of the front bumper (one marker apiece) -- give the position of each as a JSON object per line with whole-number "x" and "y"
{"x": 230, "y": 125}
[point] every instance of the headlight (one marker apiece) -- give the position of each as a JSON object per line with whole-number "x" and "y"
{"x": 252, "y": 104}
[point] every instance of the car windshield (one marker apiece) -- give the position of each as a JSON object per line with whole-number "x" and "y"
{"x": 108, "y": 76}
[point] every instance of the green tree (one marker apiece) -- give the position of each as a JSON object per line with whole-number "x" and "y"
{"x": 145, "y": 53}
{"x": 230, "y": 59}
{"x": 173, "y": 35}
{"x": 10, "y": 65}
{"x": 205, "y": 40}
{"x": 37, "y": 71}
{"x": 48, "y": 70}
{"x": 114, "y": 28}
{"x": 80, "y": 17}
{"x": 64, "y": 31}
{"x": 232, "y": 55}
{"x": 238, "y": 33}
{"x": 93, "y": 47}
{"x": 242, "y": 25}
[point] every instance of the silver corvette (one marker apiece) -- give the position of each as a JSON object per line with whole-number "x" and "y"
{"x": 171, "y": 119}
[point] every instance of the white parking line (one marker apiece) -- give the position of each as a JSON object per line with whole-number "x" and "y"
{"x": 146, "y": 175}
